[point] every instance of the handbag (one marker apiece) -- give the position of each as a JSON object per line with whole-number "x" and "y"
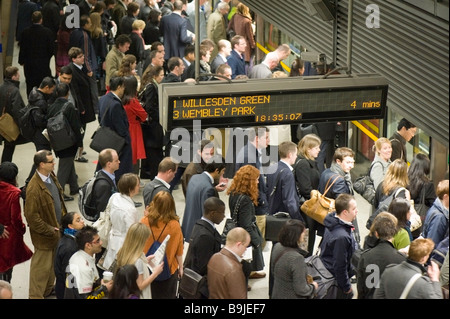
{"x": 416, "y": 221}
{"x": 8, "y": 127}
{"x": 103, "y": 225}
{"x": 274, "y": 223}
{"x": 318, "y": 206}
{"x": 190, "y": 284}
{"x": 231, "y": 222}
{"x": 363, "y": 185}
{"x": 105, "y": 137}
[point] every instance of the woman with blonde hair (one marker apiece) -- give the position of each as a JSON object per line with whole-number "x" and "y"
{"x": 381, "y": 161}
{"x": 132, "y": 252}
{"x": 395, "y": 183}
{"x": 307, "y": 176}
{"x": 242, "y": 201}
{"x": 161, "y": 218}
{"x": 98, "y": 38}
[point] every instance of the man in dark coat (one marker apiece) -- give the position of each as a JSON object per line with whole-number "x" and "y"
{"x": 338, "y": 244}
{"x": 205, "y": 240}
{"x": 81, "y": 93}
{"x": 174, "y": 31}
{"x": 113, "y": 115}
{"x": 200, "y": 188}
{"x": 281, "y": 189}
{"x": 66, "y": 167}
{"x": 12, "y": 101}
{"x": 36, "y": 49}
{"x": 24, "y": 13}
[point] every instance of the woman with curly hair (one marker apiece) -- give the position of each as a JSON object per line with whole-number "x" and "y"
{"x": 128, "y": 67}
{"x": 161, "y": 218}
{"x": 242, "y": 201}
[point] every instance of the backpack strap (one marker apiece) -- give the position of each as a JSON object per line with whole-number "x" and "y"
{"x": 276, "y": 183}
{"x": 162, "y": 231}
{"x": 409, "y": 285}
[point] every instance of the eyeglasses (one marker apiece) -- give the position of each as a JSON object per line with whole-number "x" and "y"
{"x": 96, "y": 241}
{"x": 50, "y": 162}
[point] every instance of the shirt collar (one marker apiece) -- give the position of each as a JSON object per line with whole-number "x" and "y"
{"x": 210, "y": 177}
{"x": 288, "y": 165}
{"x": 163, "y": 181}
{"x": 43, "y": 177}
{"x": 239, "y": 258}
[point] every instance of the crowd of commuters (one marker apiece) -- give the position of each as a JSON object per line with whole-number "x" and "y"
{"x": 108, "y": 69}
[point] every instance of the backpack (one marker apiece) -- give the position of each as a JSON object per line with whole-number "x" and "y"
{"x": 165, "y": 274}
{"x": 86, "y": 202}
{"x": 26, "y": 122}
{"x": 60, "y": 132}
{"x": 383, "y": 206}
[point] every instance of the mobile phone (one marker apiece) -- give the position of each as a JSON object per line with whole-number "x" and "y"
{"x": 222, "y": 184}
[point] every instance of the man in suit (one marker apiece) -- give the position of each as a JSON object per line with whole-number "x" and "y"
{"x": 205, "y": 240}
{"x": 264, "y": 69}
{"x": 190, "y": 11}
{"x": 81, "y": 92}
{"x": 221, "y": 57}
{"x": 216, "y": 27}
{"x": 281, "y": 189}
{"x": 36, "y": 49}
{"x": 174, "y": 31}
{"x": 176, "y": 69}
{"x": 201, "y": 187}
{"x": 161, "y": 183}
{"x": 118, "y": 12}
{"x": 113, "y": 115}
{"x": 236, "y": 59}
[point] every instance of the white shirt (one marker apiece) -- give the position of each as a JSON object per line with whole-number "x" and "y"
{"x": 82, "y": 267}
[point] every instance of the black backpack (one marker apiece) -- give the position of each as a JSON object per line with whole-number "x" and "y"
{"x": 60, "y": 132}
{"x": 26, "y": 121}
{"x": 86, "y": 202}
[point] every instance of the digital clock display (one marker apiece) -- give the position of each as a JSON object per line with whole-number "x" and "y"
{"x": 280, "y": 104}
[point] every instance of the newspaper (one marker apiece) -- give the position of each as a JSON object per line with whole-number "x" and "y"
{"x": 158, "y": 255}
{"x": 248, "y": 254}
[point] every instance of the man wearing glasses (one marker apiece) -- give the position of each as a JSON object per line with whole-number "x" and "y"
{"x": 83, "y": 280}
{"x": 44, "y": 207}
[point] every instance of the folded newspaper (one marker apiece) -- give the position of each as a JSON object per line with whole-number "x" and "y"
{"x": 159, "y": 254}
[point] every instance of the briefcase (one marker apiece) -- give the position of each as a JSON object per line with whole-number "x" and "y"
{"x": 190, "y": 284}
{"x": 274, "y": 223}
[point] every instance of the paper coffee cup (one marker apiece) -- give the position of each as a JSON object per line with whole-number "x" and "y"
{"x": 107, "y": 276}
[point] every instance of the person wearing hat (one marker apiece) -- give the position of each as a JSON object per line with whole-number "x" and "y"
{"x": 12, "y": 247}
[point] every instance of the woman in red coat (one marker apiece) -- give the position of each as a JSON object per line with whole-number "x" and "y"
{"x": 136, "y": 115}
{"x": 13, "y": 250}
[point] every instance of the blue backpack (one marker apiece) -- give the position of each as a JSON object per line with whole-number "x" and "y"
{"x": 165, "y": 274}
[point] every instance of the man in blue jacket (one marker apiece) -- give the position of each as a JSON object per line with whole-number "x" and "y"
{"x": 236, "y": 59}
{"x": 339, "y": 244}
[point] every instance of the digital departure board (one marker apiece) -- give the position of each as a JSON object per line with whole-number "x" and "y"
{"x": 273, "y": 101}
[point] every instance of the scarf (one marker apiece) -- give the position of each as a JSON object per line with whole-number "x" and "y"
{"x": 335, "y": 168}
{"x": 70, "y": 231}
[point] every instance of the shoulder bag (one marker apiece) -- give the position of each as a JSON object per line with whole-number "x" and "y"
{"x": 105, "y": 137}
{"x": 8, "y": 127}
{"x": 103, "y": 225}
{"x": 231, "y": 222}
{"x": 327, "y": 284}
{"x": 363, "y": 185}
{"x": 275, "y": 222}
{"x": 190, "y": 284}
{"x": 319, "y": 206}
